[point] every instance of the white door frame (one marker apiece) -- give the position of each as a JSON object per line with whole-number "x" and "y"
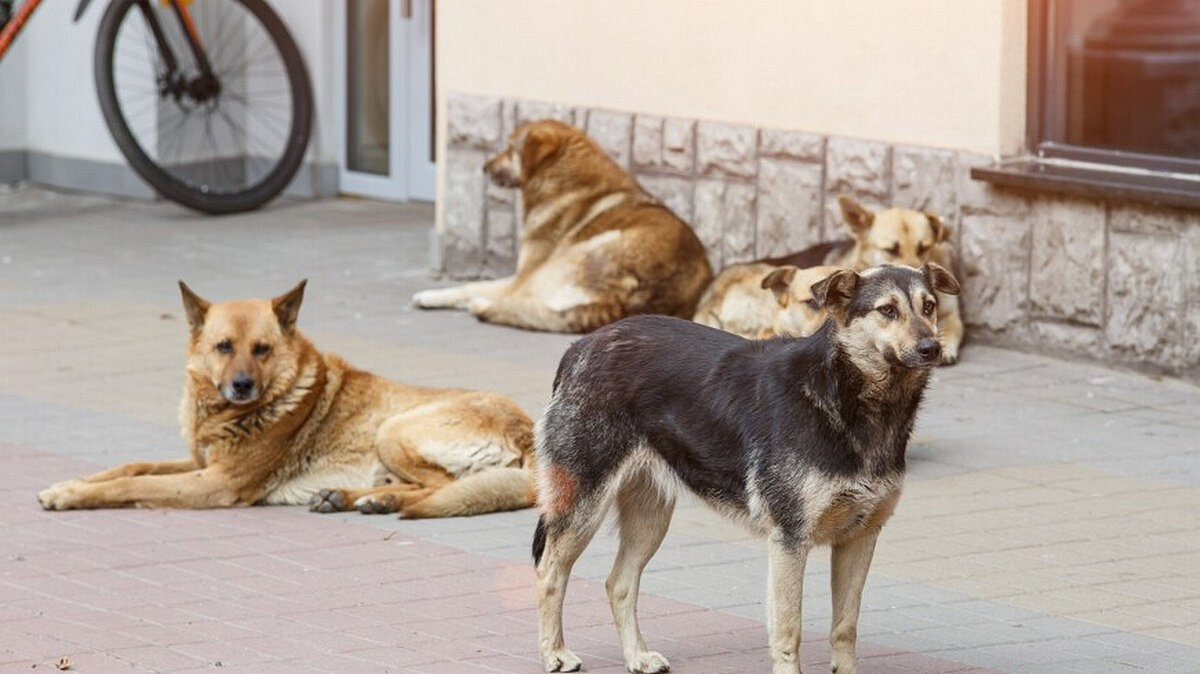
{"x": 411, "y": 173}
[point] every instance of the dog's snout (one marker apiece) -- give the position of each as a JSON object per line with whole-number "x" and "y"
{"x": 929, "y": 348}
{"x": 243, "y": 385}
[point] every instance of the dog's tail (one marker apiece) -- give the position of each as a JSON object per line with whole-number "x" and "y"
{"x": 488, "y": 491}
{"x": 539, "y": 540}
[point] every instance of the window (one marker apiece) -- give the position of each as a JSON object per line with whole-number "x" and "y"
{"x": 1114, "y": 100}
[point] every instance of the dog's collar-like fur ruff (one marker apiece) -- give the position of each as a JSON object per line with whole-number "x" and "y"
{"x": 290, "y": 399}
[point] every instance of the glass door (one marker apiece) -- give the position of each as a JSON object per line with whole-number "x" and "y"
{"x": 385, "y": 99}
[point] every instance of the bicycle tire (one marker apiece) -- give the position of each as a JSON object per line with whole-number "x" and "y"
{"x": 164, "y": 182}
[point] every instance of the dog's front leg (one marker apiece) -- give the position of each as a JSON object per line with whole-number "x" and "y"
{"x": 459, "y": 297}
{"x": 144, "y": 468}
{"x": 851, "y": 560}
{"x": 785, "y": 594}
{"x": 131, "y": 469}
{"x": 950, "y": 328}
{"x": 208, "y": 488}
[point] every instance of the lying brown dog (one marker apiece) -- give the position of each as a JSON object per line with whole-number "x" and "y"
{"x": 759, "y": 301}
{"x": 595, "y": 247}
{"x": 892, "y": 236}
{"x": 269, "y": 419}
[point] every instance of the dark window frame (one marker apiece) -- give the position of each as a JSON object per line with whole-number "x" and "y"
{"x": 1050, "y": 165}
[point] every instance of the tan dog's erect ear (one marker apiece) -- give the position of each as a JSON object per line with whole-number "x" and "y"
{"x": 939, "y": 279}
{"x": 778, "y": 282}
{"x": 856, "y": 216}
{"x": 194, "y": 306}
{"x": 837, "y": 288}
{"x": 941, "y": 231}
{"x": 540, "y": 143}
{"x": 287, "y": 306}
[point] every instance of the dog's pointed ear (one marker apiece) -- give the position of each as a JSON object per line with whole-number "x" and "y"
{"x": 941, "y": 231}
{"x": 779, "y": 281}
{"x": 542, "y": 140}
{"x": 287, "y": 306}
{"x": 858, "y": 218}
{"x": 194, "y": 306}
{"x": 939, "y": 279}
{"x": 836, "y": 289}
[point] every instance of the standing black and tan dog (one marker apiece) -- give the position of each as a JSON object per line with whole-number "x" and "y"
{"x": 595, "y": 247}
{"x": 270, "y": 419}
{"x": 803, "y": 440}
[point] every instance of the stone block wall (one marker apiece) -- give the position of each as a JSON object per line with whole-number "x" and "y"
{"x": 1118, "y": 282}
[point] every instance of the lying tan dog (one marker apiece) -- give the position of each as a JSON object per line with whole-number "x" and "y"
{"x": 269, "y": 419}
{"x": 595, "y": 247}
{"x": 892, "y": 236}
{"x": 759, "y": 301}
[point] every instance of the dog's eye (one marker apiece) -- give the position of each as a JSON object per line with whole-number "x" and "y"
{"x": 928, "y": 307}
{"x": 261, "y": 350}
{"x": 894, "y": 251}
{"x": 888, "y": 311}
{"x": 225, "y": 346}
{"x": 921, "y": 248}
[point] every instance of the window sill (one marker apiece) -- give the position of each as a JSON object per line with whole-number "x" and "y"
{"x": 1098, "y": 181}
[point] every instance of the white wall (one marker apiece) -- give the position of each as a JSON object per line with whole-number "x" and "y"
{"x": 311, "y": 25}
{"x": 941, "y": 73}
{"x": 12, "y": 98}
{"x": 55, "y": 110}
{"x": 63, "y": 115}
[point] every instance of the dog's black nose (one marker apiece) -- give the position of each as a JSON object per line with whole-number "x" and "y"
{"x": 929, "y": 348}
{"x": 242, "y": 385}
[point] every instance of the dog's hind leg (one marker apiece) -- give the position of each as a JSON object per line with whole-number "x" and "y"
{"x": 458, "y": 297}
{"x": 566, "y": 535}
{"x": 785, "y": 593}
{"x": 851, "y": 560}
{"x": 643, "y": 515}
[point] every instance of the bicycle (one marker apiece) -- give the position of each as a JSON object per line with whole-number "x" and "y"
{"x": 213, "y": 107}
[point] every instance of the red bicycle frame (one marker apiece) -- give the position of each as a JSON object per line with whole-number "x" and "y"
{"x": 18, "y": 21}
{"x": 15, "y": 24}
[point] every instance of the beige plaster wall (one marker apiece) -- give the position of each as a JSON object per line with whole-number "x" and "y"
{"x": 937, "y": 73}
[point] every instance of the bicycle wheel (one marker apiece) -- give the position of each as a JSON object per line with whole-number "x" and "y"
{"x": 219, "y": 143}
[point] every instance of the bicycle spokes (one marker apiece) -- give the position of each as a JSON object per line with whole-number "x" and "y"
{"x": 206, "y": 93}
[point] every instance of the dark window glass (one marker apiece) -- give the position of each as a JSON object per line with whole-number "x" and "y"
{"x": 1117, "y": 81}
{"x": 367, "y": 36}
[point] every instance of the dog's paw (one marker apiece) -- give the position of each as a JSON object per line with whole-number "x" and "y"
{"x": 426, "y": 299}
{"x": 843, "y": 663}
{"x": 562, "y": 660}
{"x": 648, "y": 662}
{"x": 327, "y": 501}
{"x": 479, "y": 307}
{"x": 57, "y": 496}
{"x": 376, "y": 505}
{"x": 949, "y": 356}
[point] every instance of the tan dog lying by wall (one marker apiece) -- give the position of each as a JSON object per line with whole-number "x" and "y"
{"x": 595, "y": 247}
{"x": 892, "y": 236}
{"x": 269, "y": 419}
{"x": 759, "y": 301}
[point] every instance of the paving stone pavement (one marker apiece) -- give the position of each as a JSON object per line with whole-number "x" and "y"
{"x": 1051, "y": 521}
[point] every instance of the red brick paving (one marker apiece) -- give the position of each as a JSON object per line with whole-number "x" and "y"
{"x": 279, "y": 589}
